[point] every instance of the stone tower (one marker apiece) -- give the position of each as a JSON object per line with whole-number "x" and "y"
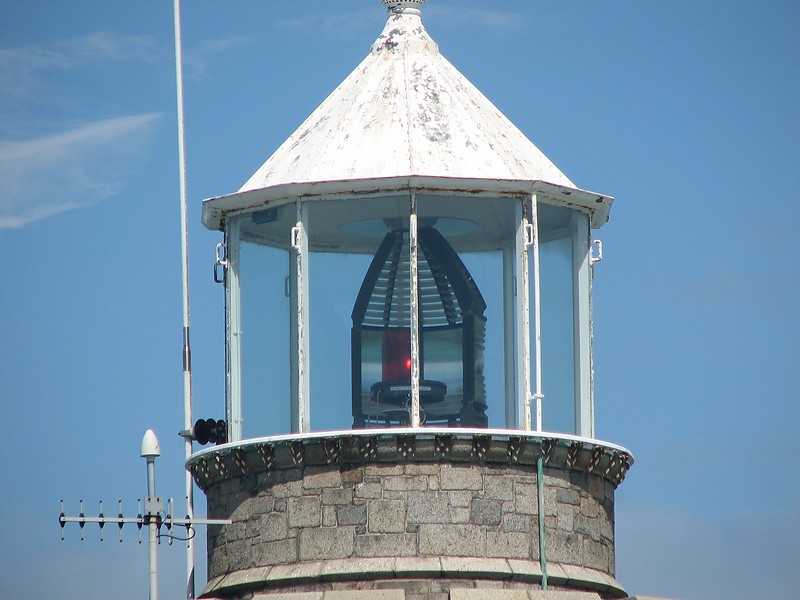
{"x": 409, "y": 379}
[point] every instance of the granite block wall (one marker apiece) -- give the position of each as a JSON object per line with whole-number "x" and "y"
{"x": 303, "y": 526}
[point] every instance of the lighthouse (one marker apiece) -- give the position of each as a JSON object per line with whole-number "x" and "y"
{"x": 409, "y": 400}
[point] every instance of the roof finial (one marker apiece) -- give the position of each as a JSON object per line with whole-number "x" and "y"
{"x": 403, "y": 5}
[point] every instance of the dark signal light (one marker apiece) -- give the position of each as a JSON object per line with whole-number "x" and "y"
{"x": 210, "y": 431}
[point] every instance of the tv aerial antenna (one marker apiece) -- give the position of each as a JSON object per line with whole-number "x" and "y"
{"x": 154, "y": 516}
{"x": 186, "y": 350}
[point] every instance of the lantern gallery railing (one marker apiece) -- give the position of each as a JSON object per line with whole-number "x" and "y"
{"x": 460, "y": 445}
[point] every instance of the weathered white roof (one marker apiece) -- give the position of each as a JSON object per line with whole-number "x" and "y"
{"x": 405, "y": 113}
{"x": 405, "y": 110}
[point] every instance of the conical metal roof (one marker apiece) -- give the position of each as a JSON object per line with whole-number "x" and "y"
{"x": 405, "y": 111}
{"x": 405, "y": 118}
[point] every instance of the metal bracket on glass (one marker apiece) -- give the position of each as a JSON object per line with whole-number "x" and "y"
{"x": 596, "y": 254}
{"x": 529, "y": 234}
{"x": 533, "y": 410}
{"x": 222, "y": 261}
{"x": 295, "y": 237}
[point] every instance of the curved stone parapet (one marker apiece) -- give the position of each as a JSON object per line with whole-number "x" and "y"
{"x": 410, "y": 509}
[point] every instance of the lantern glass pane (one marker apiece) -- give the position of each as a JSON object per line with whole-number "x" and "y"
{"x": 558, "y": 351}
{"x": 344, "y": 237}
{"x": 463, "y": 307}
{"x": 558, "y": 275}
{"x": 486, "y": 269}
{"x": 358, "y": 279}
{"x": 264, "y": 309}
{"x": 334, "y": 280}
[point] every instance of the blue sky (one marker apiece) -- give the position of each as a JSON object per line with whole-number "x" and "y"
{"x": 685, "y": 111}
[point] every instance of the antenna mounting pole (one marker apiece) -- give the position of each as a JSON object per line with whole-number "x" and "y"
{"x": 187, "y": 355}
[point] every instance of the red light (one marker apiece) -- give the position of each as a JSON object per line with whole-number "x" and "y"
{"x": 396, "y": 355}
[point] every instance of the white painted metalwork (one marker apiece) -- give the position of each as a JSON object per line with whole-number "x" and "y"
{"x": 423, "y": 117}
{"x": 427, "y": 432}
{"x": 581, "y": 313}
{"x": 152, "y": 506}
{"x": 414, "y": 302}
{"x": 597, "y": 251}
{"x": 591, "y": 352}
{"x": 406, "y": 5}
{"x": 234, "y": 331}
{"x": 215, "y": 210}
{"x": 523, "y": 319}
{"x": 221, "y": 261}
{"x": 538, "y": 396}
{"x": 299, "y": 330}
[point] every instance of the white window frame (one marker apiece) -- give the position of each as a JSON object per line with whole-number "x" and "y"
{"x": 233, "y": 375}
{"x": 300, "y": 385}
{"x": 582, "y": 323}
{"x": 522, "y": 345}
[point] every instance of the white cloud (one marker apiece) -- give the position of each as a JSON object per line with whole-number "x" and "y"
{"x": 74, "y": 52}
{"x": 73, "y": 169}
{"x": 335, "y": 25}
{"x": 195, "y": 60}
{"x": 46, "y": 166}
{"x": 23, "y": 68}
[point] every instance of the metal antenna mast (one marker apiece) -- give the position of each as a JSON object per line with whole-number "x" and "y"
{"x": 187, "y": 355}
{"x": 154, "y": 516}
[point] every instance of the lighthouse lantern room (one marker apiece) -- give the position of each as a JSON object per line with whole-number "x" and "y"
{"x": 408, "y": 219}
{"x": 409, "y": 391}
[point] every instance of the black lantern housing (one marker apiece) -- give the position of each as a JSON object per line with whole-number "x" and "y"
{"x": 452, "y": 337}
